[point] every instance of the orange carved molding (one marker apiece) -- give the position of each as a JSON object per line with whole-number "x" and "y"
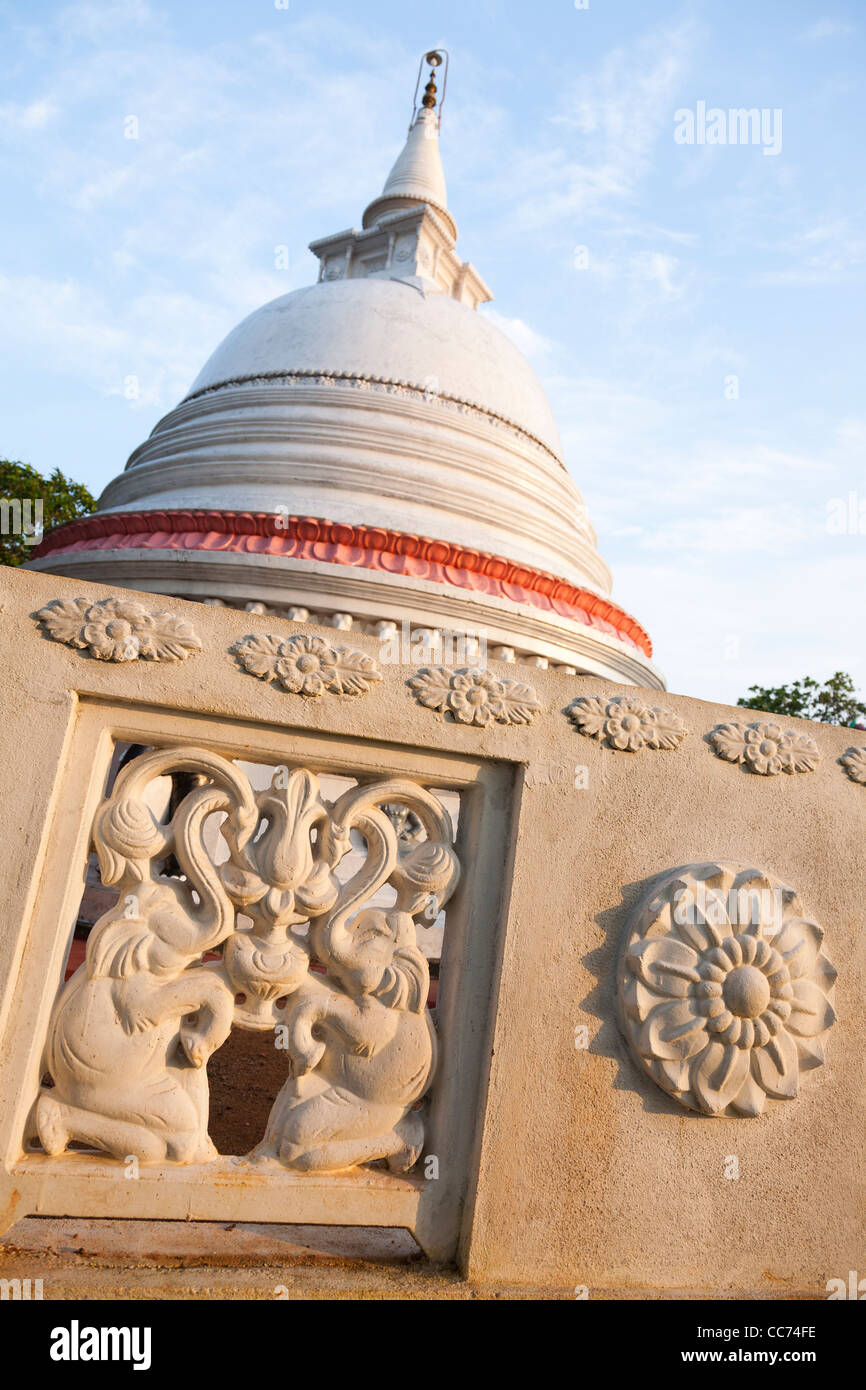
{"x": 368, "y": 547}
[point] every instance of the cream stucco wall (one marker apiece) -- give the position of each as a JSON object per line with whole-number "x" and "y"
{"x": 560, "y": 1165}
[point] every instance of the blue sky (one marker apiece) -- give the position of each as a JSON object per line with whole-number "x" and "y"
{"x": 261, "y": 127}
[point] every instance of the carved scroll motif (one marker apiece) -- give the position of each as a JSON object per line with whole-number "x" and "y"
{"x": 134, "y": 1027}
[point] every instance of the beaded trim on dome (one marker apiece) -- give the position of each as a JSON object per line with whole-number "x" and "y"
{"x": 391, "y": 386}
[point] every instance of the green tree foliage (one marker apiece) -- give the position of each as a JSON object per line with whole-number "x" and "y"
{"x": 61, "y": 499}
{"x": 834, "y": 702}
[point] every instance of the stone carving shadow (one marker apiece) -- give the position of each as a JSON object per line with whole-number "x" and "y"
{"x": 600, "y": 1003}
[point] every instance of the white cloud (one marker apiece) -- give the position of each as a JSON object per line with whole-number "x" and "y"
{"x": 851, "y": 434}
{"x": 185, "y": 237}
{"x": 107, "y": 186}
{"x": 101, "y": 23}
{"x": 34, "y": 115}
{"x": 658, "y": 269}
{"x": 154, "y": 338}
{"x": 606, "y": 123}
{"x": 719, "y": 627}
{"x": 827, "y": 251}
{"x": 826, "y": 29}
{"x": 530, "y": 343}
{"x": 721, "y": 550}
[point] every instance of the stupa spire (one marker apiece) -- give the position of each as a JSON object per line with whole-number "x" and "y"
{"x": 417, "y": 175}
{"x": 408, "y": 233}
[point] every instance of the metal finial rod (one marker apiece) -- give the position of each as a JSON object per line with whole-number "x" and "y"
{"x": 434, "y": 59}
{"x": 429, "y": 98}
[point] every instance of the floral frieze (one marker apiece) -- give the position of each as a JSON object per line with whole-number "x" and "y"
{"x": 475, "y": 696}
{"x": 723, "y": 989}
{"x": 765, "y": 748}
{"x": 118, "y": 629}
{"x": 305, "y": 665}
{"x": 627, "y": 722}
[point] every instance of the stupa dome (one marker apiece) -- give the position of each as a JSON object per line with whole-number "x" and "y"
{"x": 387, "y": 331}
{"x": 369, "y": 450}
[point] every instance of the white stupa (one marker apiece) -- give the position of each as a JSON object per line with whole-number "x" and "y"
{"x": 368, "y": 451}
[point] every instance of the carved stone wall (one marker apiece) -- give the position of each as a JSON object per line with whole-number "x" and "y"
{"x": 654, "y": 960}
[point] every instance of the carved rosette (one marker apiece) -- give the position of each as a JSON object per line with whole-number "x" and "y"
{"x": 475, "y": 696}
{"x": 854, "y": 763}
{"x": 117, "y": 629}
{"x": 625, "y": 722}
{"x": 723, "y": 989}
{"x": 306, "y": 665}
{"x": 765, "y": 748}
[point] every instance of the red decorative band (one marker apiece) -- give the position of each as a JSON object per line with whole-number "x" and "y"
{"x": 369, "y": 547}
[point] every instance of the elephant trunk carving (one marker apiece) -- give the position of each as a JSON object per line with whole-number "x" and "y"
{"x": 362, "y": 1043}
{"x": 133, "y": 1029}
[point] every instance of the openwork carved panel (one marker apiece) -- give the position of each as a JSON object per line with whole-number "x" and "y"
{"x": 723, "y": 989}
{"x": 290, "y": 944}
